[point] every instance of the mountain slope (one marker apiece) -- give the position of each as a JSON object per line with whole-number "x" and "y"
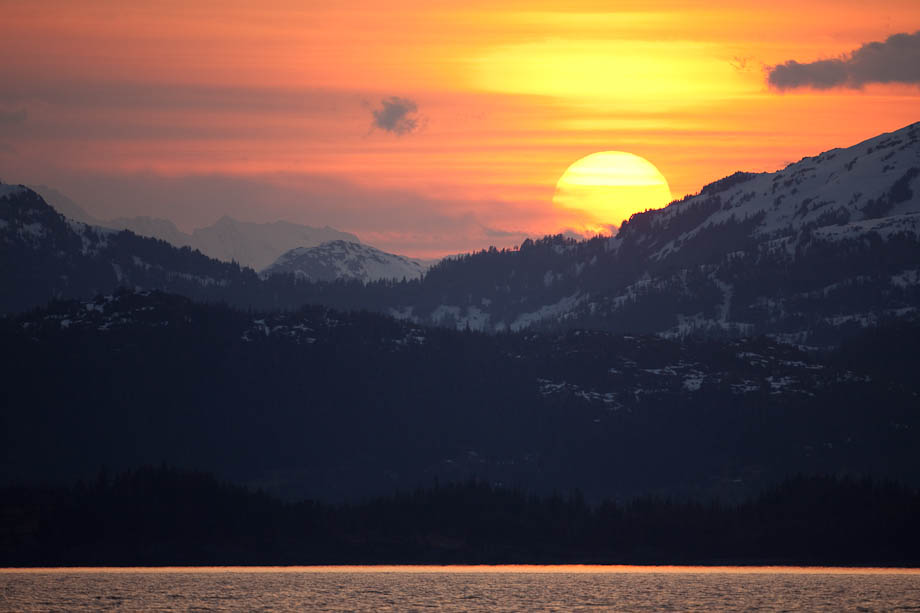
{"x": 811, "y": 253}
{"x": 43, "y": 255}
{"x": 330, "y": 404}
{"x": 152, "y": 227}
{"x": 345, "y": 260}
{"x": 64, "y": 205}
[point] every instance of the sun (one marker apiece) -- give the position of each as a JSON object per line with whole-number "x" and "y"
{"x": 609, "y": 186}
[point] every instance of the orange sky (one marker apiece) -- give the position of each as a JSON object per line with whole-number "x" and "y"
{"x": 264, "y": 110}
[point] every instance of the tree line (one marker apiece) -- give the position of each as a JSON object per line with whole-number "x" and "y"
{"x": 167, "y": 516}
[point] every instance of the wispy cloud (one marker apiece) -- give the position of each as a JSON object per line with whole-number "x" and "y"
{"x": 396, "y": 115}
{"x": 896, "y": 60}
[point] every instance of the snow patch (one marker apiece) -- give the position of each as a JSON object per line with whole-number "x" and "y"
{"x": 558, "y": 309}
{"x": 906, "y": 278}
{"x": 693, "y": 383}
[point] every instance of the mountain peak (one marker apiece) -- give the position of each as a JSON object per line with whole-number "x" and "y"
{"x": 839, "y": 188}
{"x": 342, "y": 259}
{"x": 259, "y": 244}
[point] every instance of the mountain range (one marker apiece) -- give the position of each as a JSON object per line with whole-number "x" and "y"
{"x": 809, "y": 254}
{"x": 256, "y": 245}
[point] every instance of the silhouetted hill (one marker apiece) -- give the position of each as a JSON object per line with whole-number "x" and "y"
{"x": 334, "y": 405}
{"x": 169, "y": 517}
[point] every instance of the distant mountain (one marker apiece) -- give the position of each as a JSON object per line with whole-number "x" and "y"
{"x": 153, "y": 227}
{"x": 259, "y": 245}
{"x": 249, "y": 244}
{"x": 322, "y": 403}
{"x": 346, "y": 260}
{"x": 64, "y": 205}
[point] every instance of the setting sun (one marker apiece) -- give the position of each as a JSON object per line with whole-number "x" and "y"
{"x": 609, "y": 186}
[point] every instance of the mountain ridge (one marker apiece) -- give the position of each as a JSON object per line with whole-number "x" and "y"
{"x": 324, "y": 403}
{"x": 719, "y": 261}
{"x": 255, "y": 245}
{"x": 809, "y": 255}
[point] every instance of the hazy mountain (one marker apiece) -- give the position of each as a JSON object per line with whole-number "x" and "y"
{"x": 331, "y": 404}
{"x": 258, "y": 245}
{"x": 346, "y": 260}
{"x": 64, "y": 205}
{"x": 153, "y": 227}
{"x": 249, "y": 244}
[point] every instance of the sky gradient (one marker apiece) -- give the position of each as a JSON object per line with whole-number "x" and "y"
{"x": 430, "y": 127}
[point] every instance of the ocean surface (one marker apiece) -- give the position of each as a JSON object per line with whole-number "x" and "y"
{"x": 460, "y": 588}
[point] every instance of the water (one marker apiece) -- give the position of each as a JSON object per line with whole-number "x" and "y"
{"x": 493, "y": 589}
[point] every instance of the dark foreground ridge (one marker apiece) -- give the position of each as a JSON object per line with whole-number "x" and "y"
{"x": 325, "y": 405}
{"x": 163, "y": 516}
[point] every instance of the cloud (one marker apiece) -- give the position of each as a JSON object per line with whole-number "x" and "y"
{"x": 897, "y": 60}
{"x": 9, "y": 118}
{"x": 395, "y": 115}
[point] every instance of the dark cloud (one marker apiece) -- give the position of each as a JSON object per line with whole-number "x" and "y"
{"x": 396, "y": 115}
{"x": 897, "y": 60}
{"x": 8, "y": 118}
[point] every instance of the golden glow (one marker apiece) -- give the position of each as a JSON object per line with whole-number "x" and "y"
{"x": 609, "y": 186}
{"x": 509, "y": 92}
{"x": 640, "y": 75}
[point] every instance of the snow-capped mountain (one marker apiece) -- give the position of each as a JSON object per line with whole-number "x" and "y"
{"x": 828, "y": 244}
{"x": 257, "y": 245}
{"x": 346, "y": 260}
{"x": 840, "y": 194}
